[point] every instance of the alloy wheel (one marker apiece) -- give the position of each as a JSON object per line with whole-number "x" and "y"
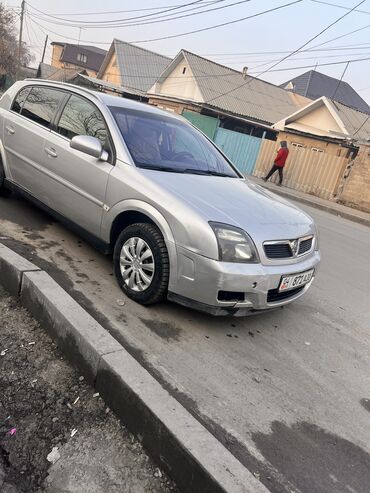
{"x": 137, "y": 264}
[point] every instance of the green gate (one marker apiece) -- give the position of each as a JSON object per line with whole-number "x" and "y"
{"x": 206, "y": 124}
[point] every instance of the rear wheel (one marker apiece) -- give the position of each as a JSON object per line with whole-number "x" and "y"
{"x": 141, "y": 263}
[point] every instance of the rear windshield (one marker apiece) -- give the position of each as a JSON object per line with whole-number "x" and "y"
{"x": 167, "y": 144}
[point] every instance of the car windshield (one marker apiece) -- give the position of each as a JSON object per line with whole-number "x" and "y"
{"x": 164, "y": 143}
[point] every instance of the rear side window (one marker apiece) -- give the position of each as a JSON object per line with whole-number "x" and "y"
{"x": 42, "y": 104}
{"x": 20, "y": 99}
{"x": 80, "y": 117}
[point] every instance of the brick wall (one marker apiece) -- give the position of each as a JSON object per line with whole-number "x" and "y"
{"x": 355, "y": 186}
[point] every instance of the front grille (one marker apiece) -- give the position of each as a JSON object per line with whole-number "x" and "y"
{"x": 284, "y": 249}
{"x": 274, "y": 295}
{"x": 305, "y": 246}
{"x": 278, "y": 250}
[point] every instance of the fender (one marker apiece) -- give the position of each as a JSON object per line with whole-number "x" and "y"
{"x": 136, "y": 205}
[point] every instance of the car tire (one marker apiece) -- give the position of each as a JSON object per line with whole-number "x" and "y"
{"x": 4, "y": 192}
{"x": 140, "y": 255}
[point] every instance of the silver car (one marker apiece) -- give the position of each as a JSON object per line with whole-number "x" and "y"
{"x": 181, "y": 221}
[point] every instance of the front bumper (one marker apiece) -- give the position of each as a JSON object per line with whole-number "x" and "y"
{"x": 200, "y": 279}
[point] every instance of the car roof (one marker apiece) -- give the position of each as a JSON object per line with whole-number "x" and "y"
{"x": 106, "y": 99}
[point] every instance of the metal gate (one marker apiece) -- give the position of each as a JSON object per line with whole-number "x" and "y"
{"x": 241, "y": 149}
{"x": 206, "y": 124}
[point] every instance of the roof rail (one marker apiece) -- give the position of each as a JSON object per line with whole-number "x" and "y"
{"x": 66, "y": 84}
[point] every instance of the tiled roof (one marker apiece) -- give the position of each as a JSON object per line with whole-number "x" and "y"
{"x": 250, "y": 98}
{"x": 314, "y": 84}
{"x": 356, "y": 122}
{"x": 139, "y": 68}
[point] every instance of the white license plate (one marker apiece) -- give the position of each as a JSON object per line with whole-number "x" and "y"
{"x": 291, "y": 282}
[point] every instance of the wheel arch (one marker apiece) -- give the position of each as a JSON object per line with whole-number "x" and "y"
{"x": 132, "y": 211}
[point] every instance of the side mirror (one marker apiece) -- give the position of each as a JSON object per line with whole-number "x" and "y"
{"x": 89, "y": 145}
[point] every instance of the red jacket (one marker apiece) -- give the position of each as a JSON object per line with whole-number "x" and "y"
{"x": 281, "y": 157}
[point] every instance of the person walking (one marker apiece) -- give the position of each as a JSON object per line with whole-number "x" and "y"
{"x": 279, "y": 162}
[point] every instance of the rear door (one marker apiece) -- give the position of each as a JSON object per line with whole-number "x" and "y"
{"x": 79, "y": 180}
{"x": 26, "y": 127}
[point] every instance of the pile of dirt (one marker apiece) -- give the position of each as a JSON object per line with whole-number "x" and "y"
{"x": 46, "y": 404}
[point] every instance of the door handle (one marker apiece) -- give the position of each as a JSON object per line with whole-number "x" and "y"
{"x": 51, "y": 152}
{"x": 10, "y": 130}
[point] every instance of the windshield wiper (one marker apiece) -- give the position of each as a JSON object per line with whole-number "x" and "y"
{"x": 161, "y": 168}
{"x": 206, "y": 172}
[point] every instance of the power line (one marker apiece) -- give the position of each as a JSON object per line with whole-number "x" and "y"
{"x": 318, "y": 65}
{"x": 235, "y": 21}
{"x": 186, "y": 33}
{"x": 300, "y": 48}
{"x": 340, "y": 6}
{"x": 360, "y": 127}
{"x": 164, "y": 18}
{"x": 342, "y": 36}
{"x": 340, "y": 80}
{"x": 122, "y": 11}
{"x": 129, "y": 18}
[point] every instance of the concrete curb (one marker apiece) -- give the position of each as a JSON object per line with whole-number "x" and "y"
{"x": 186, "y": 450}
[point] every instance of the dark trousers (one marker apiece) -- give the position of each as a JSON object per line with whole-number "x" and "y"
{"x": 272, "y": 171}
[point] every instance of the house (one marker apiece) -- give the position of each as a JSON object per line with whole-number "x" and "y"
{"x": 314, "y": 85}
{"x": 132, "y": 67}
{"x": 191, "y": 83}
{"x": 49, "y": 72}
{"x": 77, "y": 57}
{"x": 327, "y": 126}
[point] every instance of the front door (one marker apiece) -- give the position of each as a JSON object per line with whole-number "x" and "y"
{"x": 80, "y": 181}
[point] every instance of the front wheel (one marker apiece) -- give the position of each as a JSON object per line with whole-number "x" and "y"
{"x": 141, "y": 263}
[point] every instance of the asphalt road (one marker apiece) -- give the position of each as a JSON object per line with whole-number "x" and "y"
{"x": 288, "y": 391}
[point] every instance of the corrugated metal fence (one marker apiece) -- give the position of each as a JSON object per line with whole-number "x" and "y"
{"x": 206, "y": 124}
{"x": 308, "y": 171}
{"x": 241, "y": 149}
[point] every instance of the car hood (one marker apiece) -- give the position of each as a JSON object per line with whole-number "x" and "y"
{"x": 237, "y": 202}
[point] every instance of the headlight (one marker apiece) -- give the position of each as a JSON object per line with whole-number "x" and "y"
{"x": 234, "y": 245}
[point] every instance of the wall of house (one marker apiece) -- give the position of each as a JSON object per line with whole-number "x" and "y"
{"x": 55, "y": 62}
{"x": 91, "y": 73}
{"x": 306, "y": 142}
{"x": 355, "y": 190}
{"x": 181, "y": 83}
{"x": 320, "y": 118}
{"x": 55, "y": 56}
{"x": 112, "y": 73}
{"x": 173, "y": 106}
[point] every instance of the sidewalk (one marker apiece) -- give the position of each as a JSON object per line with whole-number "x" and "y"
{"x": 311, "y": 200}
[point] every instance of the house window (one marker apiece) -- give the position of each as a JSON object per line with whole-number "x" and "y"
{"x": 316, "y": 149}
{"x": 184, "y": 70}
{"x": 81, "y": 58}
{"x": 297, "y": 144}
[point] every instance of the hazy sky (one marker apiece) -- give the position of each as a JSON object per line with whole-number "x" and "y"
{"x": 236, "y": 45}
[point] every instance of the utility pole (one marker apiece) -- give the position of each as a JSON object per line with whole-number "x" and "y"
{"x": 20, "y": 39}
{"x": 43, "y": 53}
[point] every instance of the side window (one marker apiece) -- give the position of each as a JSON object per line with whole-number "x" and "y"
{"x": 80, "y": 117}
{"x": 20, "y": 99}
{"x": 42, "y": 104}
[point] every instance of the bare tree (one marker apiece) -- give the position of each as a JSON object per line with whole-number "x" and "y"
{"x": 9, "y": 44}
